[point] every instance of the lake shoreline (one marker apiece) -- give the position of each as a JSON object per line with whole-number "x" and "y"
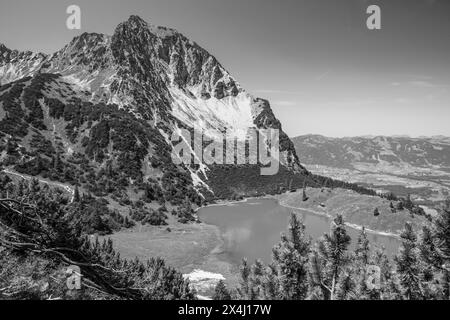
{"x": 220, "y": 253}
{"x": 319, "y": 213}
{"x": 351, "y": 225}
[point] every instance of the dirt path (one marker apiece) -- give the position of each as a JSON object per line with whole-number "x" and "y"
{"x": 65, "y": 187}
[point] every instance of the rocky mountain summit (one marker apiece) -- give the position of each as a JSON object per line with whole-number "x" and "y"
{"x": 114, "y": 101}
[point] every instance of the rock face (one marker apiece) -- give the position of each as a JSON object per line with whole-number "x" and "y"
{"x": 16, "y": 64}
{"x": 153, "y": 73}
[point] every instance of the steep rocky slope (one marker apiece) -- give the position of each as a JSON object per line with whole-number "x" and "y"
{"x": 111, "y": 103}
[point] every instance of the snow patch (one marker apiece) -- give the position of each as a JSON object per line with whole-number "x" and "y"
{"x": 203, "y": 281}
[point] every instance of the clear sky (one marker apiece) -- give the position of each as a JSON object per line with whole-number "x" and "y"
{"x": 323, "y": 71}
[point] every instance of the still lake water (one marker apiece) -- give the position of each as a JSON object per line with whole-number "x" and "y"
{"x": 250, "y": 229}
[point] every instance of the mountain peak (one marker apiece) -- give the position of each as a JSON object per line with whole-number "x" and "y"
{"x": 156, "y": 77}
{"x": 3, "y": 49}
{"x": 89, "y": 35}
{"x": 87, "y": 39}
{"x": 136, "y": 22}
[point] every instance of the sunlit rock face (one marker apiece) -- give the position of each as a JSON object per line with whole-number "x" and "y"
{"x": 157, "y": 75}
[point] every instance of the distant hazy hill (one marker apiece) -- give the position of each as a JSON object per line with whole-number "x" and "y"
{"x": 400, "y": 164}
{"x": 399, "y": 151}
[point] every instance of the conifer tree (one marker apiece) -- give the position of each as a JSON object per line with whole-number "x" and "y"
{"x": 346, "y": 288}
{"x": 360, "y": 267}
{"x": 305, "y": 197}
{"x": 390, "y": 288}
{"x": 376, "y": 212}
{"x": 441, "y": 233}
{"x": 407, "y": 265}
{"x": 21, "y": 188}
{"x": 57, "y": 163}
{"x": 270, "y": 284}
{"x": 76, "y": 195}
{"x": 34, "y": 188}
{"x": 290, "y": 258}
{"x": 244, "y": 291}
{"x": 329, "y": 259}
{"x": 11, "y": 146}
{"x": 255, "y": 279}
{"x": 393, "y": 209}
{"x": 362, "y": 251}
{"x": 408, "y": 203}
{"x": 434, "y": 246}
{"x": 317, "y": 288}
{"x": 221, "y": 292}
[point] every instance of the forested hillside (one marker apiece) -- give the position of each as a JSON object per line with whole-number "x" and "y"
{"x": 42, "y": 234}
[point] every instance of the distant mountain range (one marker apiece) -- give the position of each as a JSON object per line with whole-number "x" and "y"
{"x": 352, "y": 152}
{"x": 420, "y": 166}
